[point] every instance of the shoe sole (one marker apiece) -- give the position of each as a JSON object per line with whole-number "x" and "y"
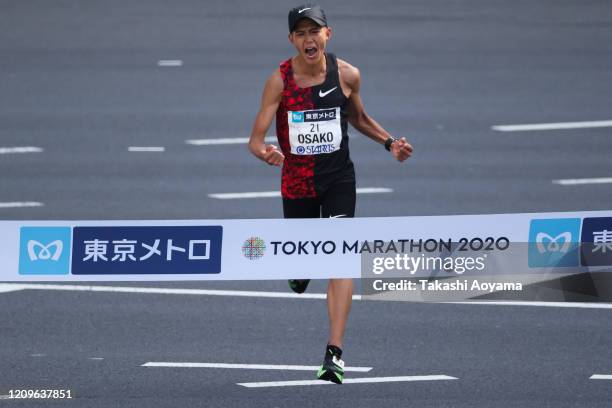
{"x": 331, "y": 376}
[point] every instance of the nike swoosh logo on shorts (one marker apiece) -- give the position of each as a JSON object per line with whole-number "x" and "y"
{"x": 303, "y": 10}
{"x": 322, "y": 94}
{"x": 337, "y": 216}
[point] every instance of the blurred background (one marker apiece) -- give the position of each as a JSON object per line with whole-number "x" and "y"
{"x": 82, "y": 82}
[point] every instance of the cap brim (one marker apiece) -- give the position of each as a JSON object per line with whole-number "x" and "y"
{"x": 318, "y": 21}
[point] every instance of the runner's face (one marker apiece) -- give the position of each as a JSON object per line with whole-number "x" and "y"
{"x": 309, "y": 39}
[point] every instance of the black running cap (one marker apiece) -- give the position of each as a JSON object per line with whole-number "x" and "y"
{"x": 311, "y": 11}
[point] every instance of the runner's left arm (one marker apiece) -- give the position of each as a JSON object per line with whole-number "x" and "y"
{"x": 365, "y": 124}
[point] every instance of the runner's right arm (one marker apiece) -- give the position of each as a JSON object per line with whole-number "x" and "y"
{"x": 270, "y": 100}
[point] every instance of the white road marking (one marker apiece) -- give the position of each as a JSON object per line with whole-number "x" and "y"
{"x": 146, "y": 149}
{"x": 4, "y": 288}
{"x": 96, "y": 358}
{"x": 260, "y": 294}
{"x": 170, "y": 63}
{"x": 374, "y": 190}
{"x": 367, "y": 380}
{"x": 575, "y": 182}
{"x": 4, "y": 397}
{"x": 575, "y": 305}
{"x": 270, "y": 194}
{"x": 238, "y": 196}
{"x": 601, "y": 377}
{"x": 18, "y": 204}
{"x": 553, "y": 126}
{"x": 23, "y": 149}
{"x": 226, "y": 141}
{"x": 249, "y": 366}
{"x": 38, "y": 355}
{"x": 171, "y": 291}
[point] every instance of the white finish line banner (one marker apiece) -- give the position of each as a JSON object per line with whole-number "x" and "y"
{"x": 269, "y": 248}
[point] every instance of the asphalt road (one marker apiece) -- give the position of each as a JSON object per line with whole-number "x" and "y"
{"x": 81, "y": 82}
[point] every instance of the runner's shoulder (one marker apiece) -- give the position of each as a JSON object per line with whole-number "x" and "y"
{"x": 275, "y": 81}
{"x": 349, "y": 73}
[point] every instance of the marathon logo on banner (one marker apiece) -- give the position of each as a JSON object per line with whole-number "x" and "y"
{"x": 146, "y": 250}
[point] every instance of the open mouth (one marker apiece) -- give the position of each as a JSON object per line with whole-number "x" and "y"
{"x": 311, "y": 51}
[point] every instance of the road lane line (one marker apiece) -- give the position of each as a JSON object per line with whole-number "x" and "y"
{"x": 146, "y": 149}
{"x": 553, "y": 126}
{"x": 22, "y": 149}
{"x": 4, "y": 288}
{"x": 576, "y": 305}
{"x": 368, "y": 380}
{"x": 170, "y": 63}
{"x": 601, "y": 377}
{"x": 270, "y": 194}
{"x": 576, "y": 182}
{"x": 374, "y": 190}
{"x": 249, "y": 366}
{"x": 19, "y": 204}
{"x": 226, "y": 141}
{"x": 281, "y": 295}
{"x": 238, "y": 196}
{"x": 171, "y": 291}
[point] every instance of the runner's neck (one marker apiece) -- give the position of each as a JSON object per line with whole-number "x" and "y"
{"x": 306, "y": 70}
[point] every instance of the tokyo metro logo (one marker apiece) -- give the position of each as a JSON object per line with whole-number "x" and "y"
{"x": 38, "y": 251}
{"x": 554, "y": 242}
{"x": 254, "y": 248}
{"x": 44, "y": 250}
{"x": 297, "y": 117}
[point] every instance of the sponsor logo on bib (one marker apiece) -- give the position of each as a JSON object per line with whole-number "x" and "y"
{"x": 315, "y": 131}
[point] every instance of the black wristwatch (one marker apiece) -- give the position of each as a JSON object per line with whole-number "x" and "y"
{"x": 389, "y": 142}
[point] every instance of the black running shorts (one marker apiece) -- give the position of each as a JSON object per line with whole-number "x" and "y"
{"x": 338, "y": 201}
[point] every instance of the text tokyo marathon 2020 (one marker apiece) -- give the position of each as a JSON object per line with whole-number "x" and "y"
{"x": 386, "y": 247}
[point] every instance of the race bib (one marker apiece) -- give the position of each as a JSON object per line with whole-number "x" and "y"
{"x": 314, "y": 131}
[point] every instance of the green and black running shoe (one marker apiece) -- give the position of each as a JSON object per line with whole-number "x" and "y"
{"x": 333, "y": 367}
{"x": 299, "y": 285}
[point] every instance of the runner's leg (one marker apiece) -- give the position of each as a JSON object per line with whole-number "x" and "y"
{"x": 339, "y": 201}
{"x": 301, "y": 208}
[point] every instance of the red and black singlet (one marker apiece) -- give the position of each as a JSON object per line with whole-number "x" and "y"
{"x": 311, "y": 126}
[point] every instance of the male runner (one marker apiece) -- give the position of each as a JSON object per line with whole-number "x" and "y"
{"x": 313, "y": 95}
